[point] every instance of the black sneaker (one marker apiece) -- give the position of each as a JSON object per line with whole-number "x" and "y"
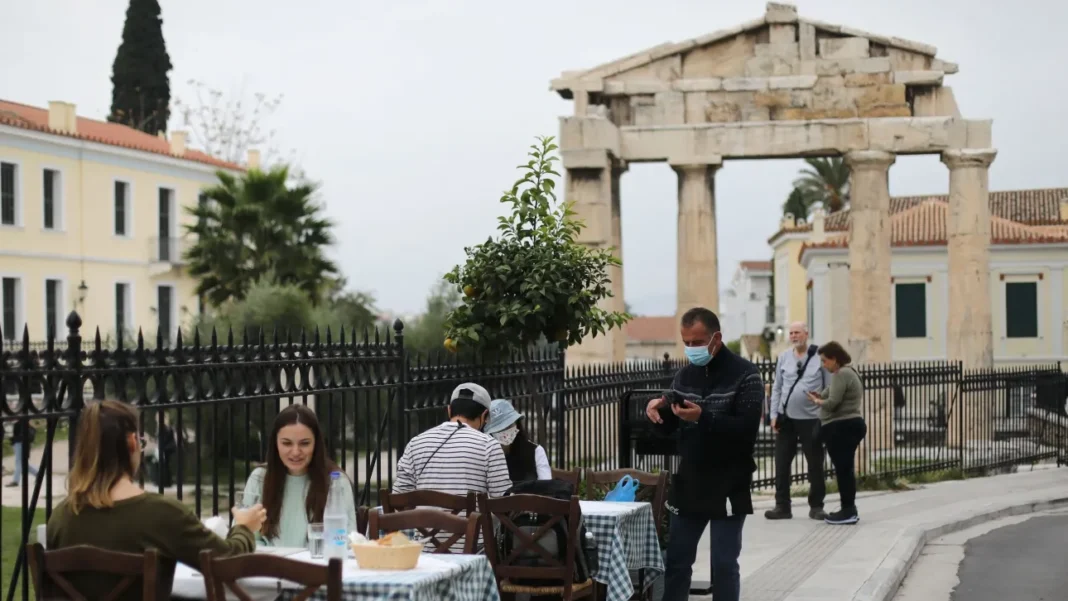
{"x": 779, "y": 513}
{"x": 844, "y": 516}
{"x": 817, "y": 513}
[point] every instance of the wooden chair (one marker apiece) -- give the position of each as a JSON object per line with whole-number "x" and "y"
{"x": 429, "y": 523}
{"x": 47, "y": 568}
{"x": 221, "y": 575}
{"x": 456, "y": 504}
{"x": 504, "y": 569}
{"x": 573, "y": 476}
{"x": 653, "y": 490}
{"x": 362, "y": 513}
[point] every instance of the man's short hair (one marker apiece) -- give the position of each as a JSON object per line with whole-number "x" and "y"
{"x": 700, "y": 314}
{"x": 466, "y": 408}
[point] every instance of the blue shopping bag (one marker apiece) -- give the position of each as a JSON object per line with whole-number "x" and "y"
{"x": 624, "y": 490}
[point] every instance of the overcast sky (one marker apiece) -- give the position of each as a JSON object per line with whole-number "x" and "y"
{"x": 413, "y": 113}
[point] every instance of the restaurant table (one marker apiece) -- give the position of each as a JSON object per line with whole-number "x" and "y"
{"x": 436, "y": 577}
{"x": 626, "y": 540}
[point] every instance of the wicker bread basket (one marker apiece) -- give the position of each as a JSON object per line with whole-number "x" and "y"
{"x": 372, "y": 556}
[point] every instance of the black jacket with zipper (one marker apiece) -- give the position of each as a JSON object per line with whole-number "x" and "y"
{"x": 716, "y": 452}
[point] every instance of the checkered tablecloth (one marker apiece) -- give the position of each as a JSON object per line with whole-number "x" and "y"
{"x": 626, "y": 540}
{"x": 438, "y": 577}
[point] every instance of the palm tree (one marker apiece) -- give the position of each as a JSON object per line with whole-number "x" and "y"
{"x": 256, "y": 226}
{"x": 825, "y": 181}
{"x": 795, "y": 205}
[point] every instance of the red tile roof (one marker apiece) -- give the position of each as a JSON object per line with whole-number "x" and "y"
{"x": 1040, "y": 206}
{"x": 651, "y": 329}
{"x": 924, "y": 224}
{"x": 102, "y": 132}
{"x": 756, "y": 265}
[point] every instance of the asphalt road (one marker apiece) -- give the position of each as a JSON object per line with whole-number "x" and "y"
{"x": 1027, "y": 561}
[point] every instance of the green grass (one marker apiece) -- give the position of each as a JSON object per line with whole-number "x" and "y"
{"x": 12, "y": 535}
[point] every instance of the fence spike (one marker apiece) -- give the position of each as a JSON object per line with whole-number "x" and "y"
{"x": 329, "y": 337}
{"x": 376, "y": 336}
{"x": 230, "y": 336}
{"x": 214, "y": 337}
{"x": 98, "y": 343}
{"x": 140, "y": 340}
{"x": 196, "y": 338}
{"x": 26, "y": 337}
{"x": 178, "y": 340}
{"x": 315, "y": 337}
{"x": 244, "y": 335}
{"x": 366, "y": 336}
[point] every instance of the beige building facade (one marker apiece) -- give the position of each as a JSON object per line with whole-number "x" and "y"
{"x": 779, "y": 86}
{"x": 92, "y": 219}
{"x": 1027, "y": 283}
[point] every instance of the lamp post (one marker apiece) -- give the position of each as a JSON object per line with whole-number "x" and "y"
{"x": 83, "y": 291}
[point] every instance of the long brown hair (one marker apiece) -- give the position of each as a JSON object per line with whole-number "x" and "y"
{"x": 319, "y": 469}
{"x": 102, "y": 454}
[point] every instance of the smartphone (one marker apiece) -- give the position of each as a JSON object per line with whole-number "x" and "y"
{"x": 673, "y": 397}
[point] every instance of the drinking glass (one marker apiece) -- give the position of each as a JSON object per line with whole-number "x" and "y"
{"x": 315, "y": 540}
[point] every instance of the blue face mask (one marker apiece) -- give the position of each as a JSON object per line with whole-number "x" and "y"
{"x": 698, "y": 355}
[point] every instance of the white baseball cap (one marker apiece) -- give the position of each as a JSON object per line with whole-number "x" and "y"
{"x": 470, "y": 390}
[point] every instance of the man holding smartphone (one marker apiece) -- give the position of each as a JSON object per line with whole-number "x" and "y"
{"x": 714, "y": 404}
{"x": 795, "y": 418}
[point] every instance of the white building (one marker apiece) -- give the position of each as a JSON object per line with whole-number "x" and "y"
{"x": 745, "y": 303}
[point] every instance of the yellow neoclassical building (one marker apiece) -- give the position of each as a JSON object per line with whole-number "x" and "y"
{"x": 91, "y": 219}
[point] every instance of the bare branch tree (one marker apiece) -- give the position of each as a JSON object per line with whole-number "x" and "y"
{"x": 228, "y": 126}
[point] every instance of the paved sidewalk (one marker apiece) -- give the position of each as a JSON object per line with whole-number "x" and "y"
{"x": 805, "y": 560}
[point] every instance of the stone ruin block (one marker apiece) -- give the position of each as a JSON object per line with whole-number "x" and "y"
{"x": 836, "y": 48}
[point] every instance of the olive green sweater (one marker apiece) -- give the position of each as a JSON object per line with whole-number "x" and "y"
{"x": 843, "y": 398}
{"x": 147, "y": 521}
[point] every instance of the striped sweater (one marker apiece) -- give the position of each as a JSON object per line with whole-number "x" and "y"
{"x": 455, "y": 459}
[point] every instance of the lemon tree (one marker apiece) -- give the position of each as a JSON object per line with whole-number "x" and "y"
{"x": 534, "y": 279}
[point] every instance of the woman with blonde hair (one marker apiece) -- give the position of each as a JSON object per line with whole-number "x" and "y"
{"x": 105, "y": 507}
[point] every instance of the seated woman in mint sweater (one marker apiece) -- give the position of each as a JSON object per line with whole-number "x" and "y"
{"x": 296, "y": 480}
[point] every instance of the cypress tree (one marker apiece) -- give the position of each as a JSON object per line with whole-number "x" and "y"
{"x": 141, "y": 89}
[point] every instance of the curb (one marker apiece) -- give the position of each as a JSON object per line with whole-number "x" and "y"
{"x": 883, "y": 584}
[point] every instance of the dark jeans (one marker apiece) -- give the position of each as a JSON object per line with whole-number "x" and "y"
{"x": 807, "y": 431}
{"x": 685, "y": 535}
{"x": 842, "y": 439}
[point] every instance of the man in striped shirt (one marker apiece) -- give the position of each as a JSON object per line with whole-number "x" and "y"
{"x": 456, "y": 457}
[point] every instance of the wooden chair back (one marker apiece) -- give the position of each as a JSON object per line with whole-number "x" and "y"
{"x": 362, "y": 513}
{"x": 573, "y": 476}
{"x": 221, "y": 575}
{"x": 444, "y": 529}
{"x": 49, "y": 569}
{"x": 653, "y": 489}
{"x": 556, "y": 511}
{"x": 456, "y": 504}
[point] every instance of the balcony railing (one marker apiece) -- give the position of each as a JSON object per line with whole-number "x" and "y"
{"x": 167, "y": 250}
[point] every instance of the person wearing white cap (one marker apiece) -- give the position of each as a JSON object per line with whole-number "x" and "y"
{"x": 526, "y": 460}
{"x": 456, "y": 457}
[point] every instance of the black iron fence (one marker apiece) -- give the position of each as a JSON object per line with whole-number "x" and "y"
{"x": 922, "y": 417}
{"x": 207, "y": 404}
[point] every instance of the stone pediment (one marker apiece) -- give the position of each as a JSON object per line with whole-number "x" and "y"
{"x": 779, "y": 67}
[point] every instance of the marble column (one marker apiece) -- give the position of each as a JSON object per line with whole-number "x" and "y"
{"x": 697, "y": 263}
{"x": 969, "y": 333}
{"x": 592, "y": 184}
{"x": 869, "y": 256}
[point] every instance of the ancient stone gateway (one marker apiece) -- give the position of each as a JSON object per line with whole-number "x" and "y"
{"x": 784, "y": 87}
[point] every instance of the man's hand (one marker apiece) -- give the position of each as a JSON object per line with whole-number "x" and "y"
{"x": 687, "y": 411}
{"x": 775, "y": 427}
{"x": 652, "y": 410}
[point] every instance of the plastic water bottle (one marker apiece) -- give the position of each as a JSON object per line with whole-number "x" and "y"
{"x": 335, "y": 520}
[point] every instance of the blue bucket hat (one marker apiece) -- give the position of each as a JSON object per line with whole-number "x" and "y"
{"x": 501, "y": 415}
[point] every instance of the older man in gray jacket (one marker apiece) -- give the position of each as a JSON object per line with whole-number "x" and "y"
{"x": 795, "y": 418}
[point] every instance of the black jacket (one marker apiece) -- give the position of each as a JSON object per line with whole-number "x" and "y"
{"x": 716, "y": 452}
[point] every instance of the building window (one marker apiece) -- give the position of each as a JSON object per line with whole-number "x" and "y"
{"x": 122, "y": 209}
{"x": 202, "y": 202}
{"x": 164, "y": 309}
{"x": 166, "y": 205}
{"x": 810, "y": 310}
{"x": 122, "y": 308}
{"x": 9, "y": 290}
{"x": 911, "y": 310}
{"x": 51, "y": 200}
{"x": 53, "y": 308}
{"x": 1021, "y": 309}
{"x": 9, "y": 194}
